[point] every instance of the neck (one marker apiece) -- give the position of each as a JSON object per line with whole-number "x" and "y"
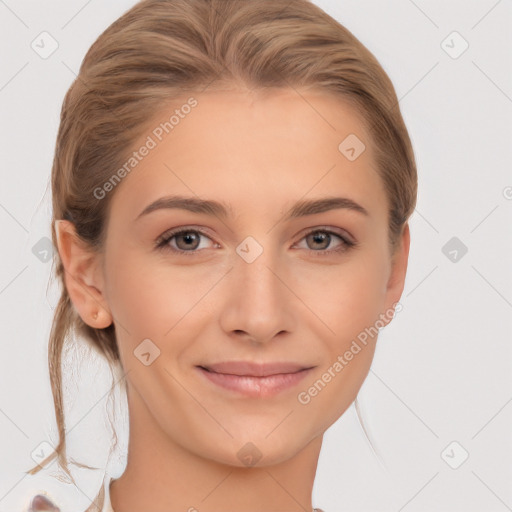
{"x": 162, "y": 475}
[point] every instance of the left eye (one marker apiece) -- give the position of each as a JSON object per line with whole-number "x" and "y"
{"x": 191, "y": 239}
{"x": 322, "y": 237}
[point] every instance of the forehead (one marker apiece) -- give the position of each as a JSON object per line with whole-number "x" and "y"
{"x": 249, "y": 147}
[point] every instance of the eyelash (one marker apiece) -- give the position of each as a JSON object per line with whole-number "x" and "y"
{"x": 162, "y": 243}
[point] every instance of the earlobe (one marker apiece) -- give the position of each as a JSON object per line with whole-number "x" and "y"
{"x": 82, "y": 275}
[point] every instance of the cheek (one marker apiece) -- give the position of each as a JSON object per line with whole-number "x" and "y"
{"x": 348, "y": 298}
{"x": 349, "y": 302}
{"x": 152, "y": 299}
{"x": 139, "y": 298}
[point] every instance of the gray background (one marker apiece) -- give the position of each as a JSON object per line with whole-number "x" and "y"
{"x": 442, "y": 370}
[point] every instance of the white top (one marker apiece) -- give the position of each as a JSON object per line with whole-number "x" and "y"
{"x": 107, "y": 505}
{"x": 103, "y": 499}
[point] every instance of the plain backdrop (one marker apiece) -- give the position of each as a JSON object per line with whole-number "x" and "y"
{"x": 437, "y": 402}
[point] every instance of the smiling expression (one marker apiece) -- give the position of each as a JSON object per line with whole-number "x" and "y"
{"x": 246, "y": 235}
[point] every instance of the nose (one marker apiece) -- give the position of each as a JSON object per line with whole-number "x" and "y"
{"x": 258, "y": 304}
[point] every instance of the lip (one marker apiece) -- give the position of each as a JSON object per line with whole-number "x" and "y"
{"x": 253, "y": 379}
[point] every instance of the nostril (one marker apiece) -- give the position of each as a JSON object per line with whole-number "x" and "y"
{"x": 42, "y": 504}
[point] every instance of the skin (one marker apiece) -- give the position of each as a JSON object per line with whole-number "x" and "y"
{"x": 259, "y": 152}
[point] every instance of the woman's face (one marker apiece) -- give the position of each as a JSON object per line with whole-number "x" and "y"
{"x": 264, "y": 281}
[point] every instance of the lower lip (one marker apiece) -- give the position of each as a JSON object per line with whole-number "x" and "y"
{"x": 260, "y": 387}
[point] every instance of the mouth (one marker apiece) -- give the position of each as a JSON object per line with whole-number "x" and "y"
{"x": 254, "y": 380}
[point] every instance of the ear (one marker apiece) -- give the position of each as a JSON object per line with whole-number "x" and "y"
{"x": 396, "y": 281}
{"x": 83, "y": 276}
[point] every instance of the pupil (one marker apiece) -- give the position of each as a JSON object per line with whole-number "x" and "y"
{"x": 188, "y": 238}
{"x": 320, "y": 237}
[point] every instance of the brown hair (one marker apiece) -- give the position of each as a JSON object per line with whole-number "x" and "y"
{"x": 161, "y": 48}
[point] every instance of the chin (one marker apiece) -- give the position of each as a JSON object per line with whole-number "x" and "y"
{"x": 258, "y": 449}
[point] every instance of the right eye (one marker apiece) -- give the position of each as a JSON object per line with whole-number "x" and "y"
{"x": 189, "y": 240}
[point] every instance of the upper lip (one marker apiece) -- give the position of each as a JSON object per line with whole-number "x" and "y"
{"x": 250, "y": 368}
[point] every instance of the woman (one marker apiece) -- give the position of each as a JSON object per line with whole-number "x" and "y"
{"x": 231, "y": 189}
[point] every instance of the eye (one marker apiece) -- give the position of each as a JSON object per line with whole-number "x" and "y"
{"x": 187, "y": 240}
{"x": 320, "y": 239}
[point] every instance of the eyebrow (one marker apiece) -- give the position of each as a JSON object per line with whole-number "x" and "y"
{"x": 220, "y": 209}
